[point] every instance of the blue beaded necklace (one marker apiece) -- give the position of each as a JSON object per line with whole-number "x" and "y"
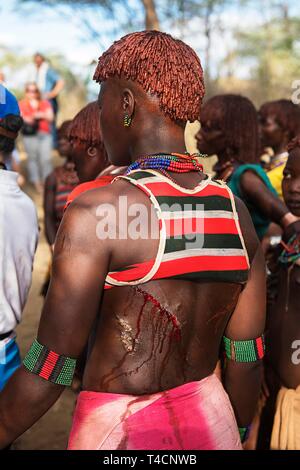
{"x": 175, "y": 162}
{"x": 291, "y": 252}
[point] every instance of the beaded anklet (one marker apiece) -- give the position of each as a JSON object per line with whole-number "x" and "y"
{"x": 250, "y": 350}
{"x": 49, "y": 365}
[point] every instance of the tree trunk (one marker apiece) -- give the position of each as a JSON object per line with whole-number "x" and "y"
{"x": 151, "y": 18}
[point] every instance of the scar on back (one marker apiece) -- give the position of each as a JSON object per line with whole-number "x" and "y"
{"x": 127, "y": 335}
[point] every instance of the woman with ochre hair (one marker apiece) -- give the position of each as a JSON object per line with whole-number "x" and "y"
{"x": 156, "y": 306}
{"x": 88, "y": 152}
{"x": 229, "y": 129}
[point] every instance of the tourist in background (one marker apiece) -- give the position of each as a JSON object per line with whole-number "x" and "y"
{"x": 38, "y": 116}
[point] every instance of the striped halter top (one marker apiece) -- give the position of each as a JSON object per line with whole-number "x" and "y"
{"x": 199, "y": 233}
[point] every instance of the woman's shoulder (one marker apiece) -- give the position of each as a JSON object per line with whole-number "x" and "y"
{"x": 23, "y": 103}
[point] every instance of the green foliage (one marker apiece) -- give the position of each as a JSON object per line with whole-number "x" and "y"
{"x": 274, "y": 50}
{"x": 269, "y": 51}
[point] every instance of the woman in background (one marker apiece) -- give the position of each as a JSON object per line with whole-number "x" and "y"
{"x": 229, "y": 129}
{"x": 88, "y": 152}
{"x": 38, "y": 116}
{"x": 59, "y": 184}
{"x": 279, "y": 123}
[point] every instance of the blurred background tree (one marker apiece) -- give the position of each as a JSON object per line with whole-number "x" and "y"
{"x": 260, "y": 61}
{"x": 269, "y": 51}
{"x": 74, "y": 95}
{"x": 274, "y": 50}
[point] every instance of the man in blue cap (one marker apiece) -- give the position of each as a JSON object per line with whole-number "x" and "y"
{"x": 18, "y": 240}
{"x": 8, "y": 103}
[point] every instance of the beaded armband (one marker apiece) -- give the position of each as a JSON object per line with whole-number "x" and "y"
{"x": 49, "y": 365}
{"x": 244, "y": 433}
{"x": 250, "y": 350}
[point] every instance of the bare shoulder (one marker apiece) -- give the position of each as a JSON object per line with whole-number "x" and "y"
{"x": 78, "y": 229}
{"x": 94, "y": 207}
{"x": 248, "y": 231}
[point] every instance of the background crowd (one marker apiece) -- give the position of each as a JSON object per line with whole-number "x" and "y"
{"x": 252, "y": 137}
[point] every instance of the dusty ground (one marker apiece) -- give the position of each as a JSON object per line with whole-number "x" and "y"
{"x": 51, "y": 432}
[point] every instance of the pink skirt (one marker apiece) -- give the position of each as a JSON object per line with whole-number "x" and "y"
{"x": 193, "y": 416}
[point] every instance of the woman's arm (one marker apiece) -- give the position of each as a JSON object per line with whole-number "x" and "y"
{"x": 242, "y": 380}
{"x": 255, "y": 191}
{"x": 56, "y": 90}
{"x": 80, "y": 264}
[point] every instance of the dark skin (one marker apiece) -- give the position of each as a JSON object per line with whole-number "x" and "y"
{"x": 64, "y": 150}
{"x": 284, "y": 325}
{"x": 272, "y": 134}
{"x": 76, "y": 306}
{"x": 90, "y": 160}
{"x": 283, "y": 315}
{"x": 211, "y": 140}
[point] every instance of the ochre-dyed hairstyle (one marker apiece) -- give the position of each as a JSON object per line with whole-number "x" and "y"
{"x": 239, "y": 124}
{"x": 85, "y": 126}
{"x": 64, "y": 128}
{"x": 287, "y": 115}
{"x": 163, "y": 66}
{"x": 293, "y": 144}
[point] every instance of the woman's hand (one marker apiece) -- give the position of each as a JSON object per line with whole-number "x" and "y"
{"x": 39, "y": 115}
{"x": 28, "y": 119}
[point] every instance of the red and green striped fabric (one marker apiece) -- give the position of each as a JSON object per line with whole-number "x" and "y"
{"x": 49, "y": 365}
{"x": 206, "y": 214}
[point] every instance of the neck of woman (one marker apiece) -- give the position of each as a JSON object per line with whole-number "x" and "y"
{"x": 34, "y": 103}
{"x": 224, "y": 158}
{"x": 158, "y": 138}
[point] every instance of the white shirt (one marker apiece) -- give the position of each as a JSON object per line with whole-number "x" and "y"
{"x": 18, "y": 241}
{"x": 38, "y": 75}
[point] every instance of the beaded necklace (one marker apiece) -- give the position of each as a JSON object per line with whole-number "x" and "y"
{"x": 163, "y": 162}
{"x": 290, "y": 257}
{"x": 291, "y": 251}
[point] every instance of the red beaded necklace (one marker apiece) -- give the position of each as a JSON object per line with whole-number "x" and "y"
{"x": 174, "y": 162}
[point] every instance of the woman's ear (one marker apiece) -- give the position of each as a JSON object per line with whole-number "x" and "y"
{"x": 92, "y": 151}
{"x": 128, "y": 102}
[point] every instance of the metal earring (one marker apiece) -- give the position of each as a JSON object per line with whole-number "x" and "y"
{"x": 127, "y": 120}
